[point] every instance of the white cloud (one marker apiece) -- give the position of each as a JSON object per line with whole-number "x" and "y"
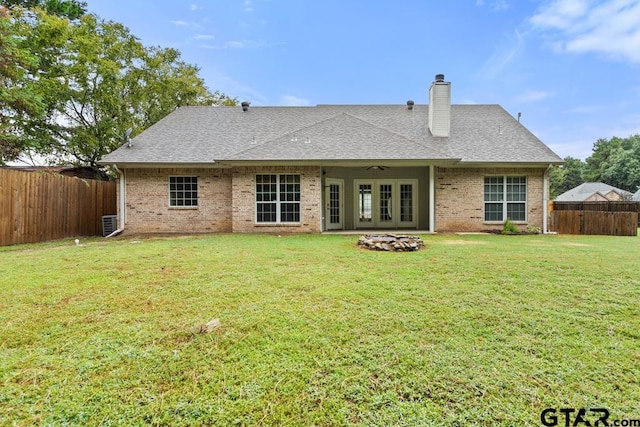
{"x": 504, "y": 54}
{"x": 193, "y": 7}
{"x": 499, "y": 5}
{"x": 244, "y": 44}
{"x": 626, "y": 126}
{"x": 495, "y": 5}
{"x": 204, "y": 37}
{"x": 534, "y": 96}
{"x": 293, "y": 101}
{"x": 248, "y": 6}
{"x": 560, "y": 13}
{"x": 577, "y": 148}
{"x": 586, "y": 109}
{"x": 181, "y": 23}
{"x": 611, "y": 27}
{"x": 237, "y": 44}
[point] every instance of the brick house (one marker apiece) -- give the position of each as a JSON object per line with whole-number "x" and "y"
{"x": 436, "y": 167}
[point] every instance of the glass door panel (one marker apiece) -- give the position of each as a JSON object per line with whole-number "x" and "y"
{"x": 385, "y": 204}
{"x": 406, "y": 204}
{"x": 334, "y": 204}
{"x": 365, "y": 204}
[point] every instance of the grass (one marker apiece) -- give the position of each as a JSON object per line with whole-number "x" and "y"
{"x": 472, "y": 330}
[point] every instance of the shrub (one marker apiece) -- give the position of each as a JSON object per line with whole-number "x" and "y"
{"x": 509, "y": 227}
{"x": 532, "y": 229}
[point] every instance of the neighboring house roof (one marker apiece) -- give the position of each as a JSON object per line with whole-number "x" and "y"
{"x": 196, "y": 135}
{"x": 636, "y": 196}
{"x": 588, "y": 189}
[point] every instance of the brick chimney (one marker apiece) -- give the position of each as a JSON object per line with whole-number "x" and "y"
{"x": 440, "y": 107}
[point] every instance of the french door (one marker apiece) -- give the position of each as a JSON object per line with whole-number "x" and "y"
{"x": 389, "y": 203}
{"x": 334, "y": 204}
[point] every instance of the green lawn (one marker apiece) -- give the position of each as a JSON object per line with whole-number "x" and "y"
{"x": 472, "y": 330}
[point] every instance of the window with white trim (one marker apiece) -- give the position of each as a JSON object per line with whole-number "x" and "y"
{"x": 183, "y": 191}
{"x": 505, "y": 197}
{"x": 277, "y": 198}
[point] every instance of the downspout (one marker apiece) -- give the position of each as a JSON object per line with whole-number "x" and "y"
{"x": 121, "y": 180}
{"x": 545, "y": 200}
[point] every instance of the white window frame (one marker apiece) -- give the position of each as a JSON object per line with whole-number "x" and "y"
{"x": 192, "y": 199}
{"x": 504, "y": 201}
{"x": 278, "y": 202}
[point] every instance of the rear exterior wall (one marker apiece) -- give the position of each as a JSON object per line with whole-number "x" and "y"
{"x": 244, "y": 202}
{"x": 147, "y": 205}
{"x": 226, "y": 201}
{"x": 460, "y": 198}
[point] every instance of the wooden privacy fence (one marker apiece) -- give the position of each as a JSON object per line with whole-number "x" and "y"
{"x": 37, "y": 206}
{"x": 609, "y": 218}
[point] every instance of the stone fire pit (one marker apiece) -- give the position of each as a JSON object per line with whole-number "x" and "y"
{"x": 390, "y": 242}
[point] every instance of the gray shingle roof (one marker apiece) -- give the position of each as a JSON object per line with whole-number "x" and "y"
{"x": 587, "y": 189}
{"x": 479, "y": 134}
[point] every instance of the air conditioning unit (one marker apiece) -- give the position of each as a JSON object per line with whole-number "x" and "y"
{"x": 109, "y": 224}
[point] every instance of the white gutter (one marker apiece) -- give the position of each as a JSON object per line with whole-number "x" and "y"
{"x": 121, "y": 180}
{"x": 545, "y": 200}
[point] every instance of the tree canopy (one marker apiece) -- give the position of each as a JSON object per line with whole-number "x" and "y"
{"x": 614, "y": 161}
{"x": 20, "y": 94}
{"x": 71, "y": 9}
{"x": 570, "y": 175}
{"x": 73, "y": 87}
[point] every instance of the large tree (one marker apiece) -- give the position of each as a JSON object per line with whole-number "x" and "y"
{"x": 616, "y": 161}
{"x": 567, "y": 176}
{"x": 96, "y": 80}
{"x": 20, "y": 95}
{"x": 71, "y": 9}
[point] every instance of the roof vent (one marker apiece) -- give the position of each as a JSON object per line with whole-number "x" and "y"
{"x": 439, "y": 78}
{"x": 410, "y": 104}
{"x": 245, "y": 105}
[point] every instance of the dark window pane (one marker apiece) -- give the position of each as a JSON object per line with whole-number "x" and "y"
{"x": 493, "y": 212}
{"x": 290, "y": 212}
{"x": 183, "y": 191}
{"x": 516, "y": 211}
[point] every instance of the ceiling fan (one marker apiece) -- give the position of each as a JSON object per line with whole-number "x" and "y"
{"x": 378, "y": 167}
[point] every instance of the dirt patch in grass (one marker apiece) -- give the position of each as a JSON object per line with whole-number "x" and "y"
{"x": 462, "y": 242}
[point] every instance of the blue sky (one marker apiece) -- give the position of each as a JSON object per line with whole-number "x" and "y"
{"x": 571, "y": 67}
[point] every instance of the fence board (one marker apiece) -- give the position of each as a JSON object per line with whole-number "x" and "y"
{"x": 597, "y": 206}
{"x": 594, "y": 222}
{"x": 39, "y": 206}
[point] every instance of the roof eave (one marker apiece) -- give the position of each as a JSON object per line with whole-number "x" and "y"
{"x": 343, "y": 162}
{"x": 530, "y": 164}
{"x": 162, "y": 165}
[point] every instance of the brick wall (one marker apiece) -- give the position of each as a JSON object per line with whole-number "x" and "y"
{"x": 460, "y": 197}
{"x": 244, "y": 202}
{"x": 226, "y": 200}
{"x": 148, "y": 210}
